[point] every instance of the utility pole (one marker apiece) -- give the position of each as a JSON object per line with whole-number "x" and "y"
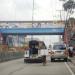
{"x": 60, "y": 12}
{"x": 32, "y": 18}
{"x": 33, "y": 14}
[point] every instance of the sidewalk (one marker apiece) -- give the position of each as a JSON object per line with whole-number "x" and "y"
{"x": 73, "y": 60}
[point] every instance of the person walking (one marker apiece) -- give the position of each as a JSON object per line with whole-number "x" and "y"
{"x": 71, "y": 51}
{"x": 44, "y": 60}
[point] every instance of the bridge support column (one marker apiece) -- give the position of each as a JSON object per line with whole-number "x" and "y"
{"x": 4, "y": 41}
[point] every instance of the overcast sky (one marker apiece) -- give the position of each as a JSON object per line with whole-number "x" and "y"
{"x": 48, "y": 39}
{"x": 22, "y": 9}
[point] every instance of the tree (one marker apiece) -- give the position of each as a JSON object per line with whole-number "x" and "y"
{"x": 69, "y": 6}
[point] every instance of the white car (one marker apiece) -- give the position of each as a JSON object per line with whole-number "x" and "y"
{"x": 59, "y": 52}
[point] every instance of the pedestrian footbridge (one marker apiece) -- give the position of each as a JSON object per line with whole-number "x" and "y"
{"x": 32, "y": 31}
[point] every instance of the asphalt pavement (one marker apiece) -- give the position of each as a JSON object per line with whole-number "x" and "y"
{"x": 18, "y": 67}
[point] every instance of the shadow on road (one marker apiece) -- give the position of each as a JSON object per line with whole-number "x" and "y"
{"x": 62, "y": 60}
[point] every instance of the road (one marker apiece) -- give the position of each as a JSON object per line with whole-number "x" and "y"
{"x": 18, "y": 67}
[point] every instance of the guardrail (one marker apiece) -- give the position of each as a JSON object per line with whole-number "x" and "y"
{"x": 5, "y": 56}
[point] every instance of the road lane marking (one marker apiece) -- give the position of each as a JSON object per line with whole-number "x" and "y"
{"x": 72, "y": 73}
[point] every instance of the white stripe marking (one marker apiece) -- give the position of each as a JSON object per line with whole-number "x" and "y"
{"x": 72, "y": 73}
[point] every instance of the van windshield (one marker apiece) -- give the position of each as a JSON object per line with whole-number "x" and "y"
{"x": 58, "y": 47}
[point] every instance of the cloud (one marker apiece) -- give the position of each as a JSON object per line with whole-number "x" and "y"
{"x": 6, "y": 9}
{"x": 22, "y": 9}
{"x": 23, "y": 5}
{"x": 15, "y": 10}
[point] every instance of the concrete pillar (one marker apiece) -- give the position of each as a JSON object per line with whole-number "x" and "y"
{"x": 1, "y": 38}
{"x": 4, "y": 41}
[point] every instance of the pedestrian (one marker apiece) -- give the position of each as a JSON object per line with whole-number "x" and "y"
{"x": 44, "y": 60}
{"x": 71, "y": 51}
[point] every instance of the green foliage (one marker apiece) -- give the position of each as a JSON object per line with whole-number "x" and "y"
{"x": 69, "y": 5}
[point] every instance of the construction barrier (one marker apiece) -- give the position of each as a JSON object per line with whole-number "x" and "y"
{"x": 5, "y": 56}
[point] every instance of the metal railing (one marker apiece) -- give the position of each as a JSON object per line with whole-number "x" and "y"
{"x": 5, "y": 56}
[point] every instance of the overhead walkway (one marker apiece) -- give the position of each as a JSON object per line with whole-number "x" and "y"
{"x": 32, "y": 31}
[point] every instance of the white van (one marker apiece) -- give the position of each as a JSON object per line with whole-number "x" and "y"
{"x": 59, "y": 51}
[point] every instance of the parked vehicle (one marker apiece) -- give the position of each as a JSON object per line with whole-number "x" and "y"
{"x": 59, "y": 52}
